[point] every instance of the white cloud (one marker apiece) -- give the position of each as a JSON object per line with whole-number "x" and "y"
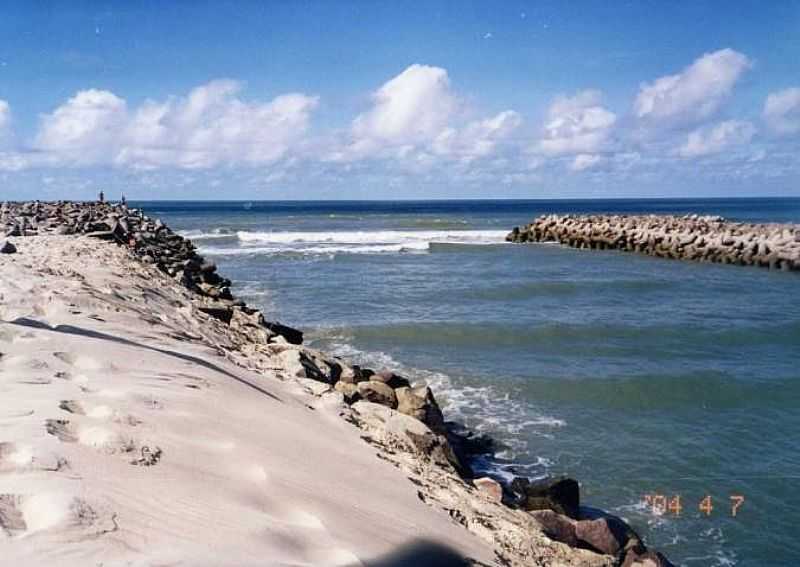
{"x": 84, "y": 128}
{"x": 5, "y": 117}
{"x": 209, "y": 127}
{"x": 693, "y": 94}
{"x": 414, "y": 106}
{"x": 714, "y": 139}
{"x": 6, "y": 137}
{"x": 585, "y": 161}
{"x": 476, "y": 139}
{"x": 414, "y": 120}
{"x": 576, "y": 125}
{"x": 782, "y": 111}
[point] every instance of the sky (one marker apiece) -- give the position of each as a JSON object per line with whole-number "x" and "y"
{"x": 399, "y": 100}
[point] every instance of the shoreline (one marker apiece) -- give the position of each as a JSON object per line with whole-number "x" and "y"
{"x": 400, "y": 419}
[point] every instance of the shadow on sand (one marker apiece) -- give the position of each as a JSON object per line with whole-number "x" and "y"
{"x": 78, "y": 331}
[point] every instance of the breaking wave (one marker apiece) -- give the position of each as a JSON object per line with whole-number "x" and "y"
{"x": 375, "y": 237}
{"x": 342, "y": 242}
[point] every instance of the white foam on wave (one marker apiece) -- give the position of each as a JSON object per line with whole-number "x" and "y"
{"x": 316, "y": 250}
{"x": 375, "y": 237}
{"x": 202, "y": 235}
{"x": 348, "y": 242}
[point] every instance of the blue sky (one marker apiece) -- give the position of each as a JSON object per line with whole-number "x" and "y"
{"x": 399, "y": 99}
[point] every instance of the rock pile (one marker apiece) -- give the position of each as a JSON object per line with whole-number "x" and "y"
{"x": 150, "y": 240}
{"x": 690, "y": 237}
{"x": 399, "y": 417}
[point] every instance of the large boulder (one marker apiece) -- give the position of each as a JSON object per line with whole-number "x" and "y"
{"x": 348, "y": 390}
{"x": 377, "y": 392}
{"x": 352, "y": 374}
{"x": 557, "y": 527}
{"x": 303, "y": 362}
{"x": 8, "y": 248}
{"x": 419, "y": 403}
{"x": 298, "y": 364}
{"x": 560, "y": 494}
{"x": 293, "y": 336}
{"x": 490, "y": 488}
{"x": 606, "y": 535}
{"x": 390, "y": 379}
{"x": 403, "y": 432}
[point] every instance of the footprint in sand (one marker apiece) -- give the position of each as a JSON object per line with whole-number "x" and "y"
{"x": 147, "y": 456}
{"x": 12, "y": 521}
{"x": 81, "y": 362}
{"x": 99, "y": 412}
{"x": 25, "y": 514}
{"x": 72, "y": 406}
{"x": 13, "y": 456}
{"x": 93, "y": 436}
{"x": 62, "y": 429}
{"x": 24, "y": 361}
{"x": 104, "y": 439}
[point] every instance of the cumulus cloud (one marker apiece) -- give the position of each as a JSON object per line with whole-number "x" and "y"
{"x": 209, "y": 127}
{"x": 714, "y": 139}
{"x": 693, "y": 94}
{"x": 576, "y": 125}
{"x": 414, "y": 106}
{"x": 414, "y": 118}
{"x": 782, "y": 111}
{"x": 477, "y": 139}
{"x": 84, "y": 128}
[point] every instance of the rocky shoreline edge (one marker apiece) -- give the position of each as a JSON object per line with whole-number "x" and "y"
{"x": 527, "y": 522}
{"x": 690, "y": 237}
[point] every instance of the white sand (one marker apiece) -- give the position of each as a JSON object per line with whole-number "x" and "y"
{"x": 103, "y": 365}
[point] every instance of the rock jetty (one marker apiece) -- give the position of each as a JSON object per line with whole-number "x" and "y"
{"x": 151, "y": 241}
{"x": 527, "y": 522}
{"x": 690, "y": 237}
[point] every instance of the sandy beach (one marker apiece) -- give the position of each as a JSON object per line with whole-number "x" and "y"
{"x": 129, "y": 434}
{"x": 126, "y": 437}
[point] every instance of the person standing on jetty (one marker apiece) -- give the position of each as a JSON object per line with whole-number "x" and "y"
{"x": 101, "y": 197}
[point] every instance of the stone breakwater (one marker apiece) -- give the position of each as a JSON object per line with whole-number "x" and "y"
{"x": 690, "y": 237}
{"x": 527, "y": 522}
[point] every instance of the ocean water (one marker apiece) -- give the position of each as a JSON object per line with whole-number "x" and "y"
{"x": 637, "y": 376}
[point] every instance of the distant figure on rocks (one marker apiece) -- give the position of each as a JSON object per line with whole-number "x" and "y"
{"x": 123, "y": 201}
{"x": 102, "y": 197}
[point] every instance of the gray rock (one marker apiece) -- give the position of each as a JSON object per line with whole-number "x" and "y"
{"x": 390, "y": 379}
{"x": 378, "y": 393}
{"x": 293, "y": 336}
{"x": 602, "y": 535}
{"x": 490, "y": 488}
{"x": 419, "y": 403}
{"x": 557, "y": 527}
{"x": 8, "y": 248}
{"x": 409, "y": 434}
{"x": 352, "y": 375}
{"x": 348, "y": 390}
{"x": 561, "y": 495}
